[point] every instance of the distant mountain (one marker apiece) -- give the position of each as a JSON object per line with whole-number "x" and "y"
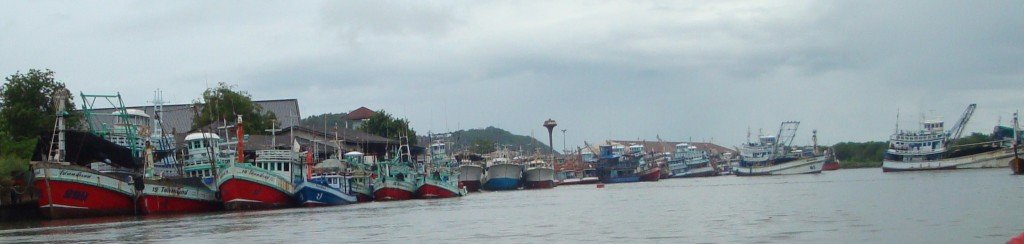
{"x": 317, "y": 121}
{"x": 465, "y": 139}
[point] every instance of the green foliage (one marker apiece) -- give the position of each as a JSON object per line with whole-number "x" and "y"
{"x": 14, "y": 157}
{"x": 465, "y": 139}
{"x": 482, "y": 146}
{"x": 26, "y": 107}
{"x": 223, "y": 103}
{"x": 317, "y": 121}
{"x": 860, "y": 154}
{"x": 974, "y": 138}
{"x": 383, "y": 124}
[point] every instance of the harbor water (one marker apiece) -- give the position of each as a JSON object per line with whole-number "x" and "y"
{"x": 845, "y": 206}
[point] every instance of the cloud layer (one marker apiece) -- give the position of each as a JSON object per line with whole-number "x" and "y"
{"x": 604, "y": 70}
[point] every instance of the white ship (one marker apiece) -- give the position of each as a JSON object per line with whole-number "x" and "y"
{"x": 930, "y": 148}
{"x": 769, "y": 156}
{"x": 688, "y": 161}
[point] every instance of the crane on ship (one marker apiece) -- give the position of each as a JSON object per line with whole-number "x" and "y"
{"x": 958, "y": 129}
{"x": 785, "y": 136}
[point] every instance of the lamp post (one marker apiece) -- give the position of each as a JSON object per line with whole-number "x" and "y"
{"x": 550, "y": 124}
{"x": 563, "y": 141}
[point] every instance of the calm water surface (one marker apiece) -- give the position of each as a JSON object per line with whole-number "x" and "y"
{"x": 847, "y": 206}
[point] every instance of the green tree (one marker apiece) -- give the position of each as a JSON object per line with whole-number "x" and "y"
{"x": 224, "y": 103}
{"x": 317, "y": 121}
{"x": 383, "y": 124}
{"x": 481, "y": 146}
{"x": 26, "y": 104}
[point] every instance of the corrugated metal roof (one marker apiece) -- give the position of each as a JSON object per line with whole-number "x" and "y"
{"x": 178, "y": 117}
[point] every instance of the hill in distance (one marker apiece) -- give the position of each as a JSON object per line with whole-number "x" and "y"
{"x": 467, "y": 139}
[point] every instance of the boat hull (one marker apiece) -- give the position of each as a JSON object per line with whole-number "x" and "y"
{"x": 164, "y": 198}
{"x": 810, "y": 165}
{"x": 833, "y": 165}
{"x": 431, "y": 190}
{"x": 502, "y": 177}
{"x": 471, "y": 185}
{"x": 74, "y": 193}
{"x": 241, "y": 194}
{"x": 628, "y": 179}
{"x": 698, "y": 172}
{"x": 469, "y": 176}
{"x": 501, "y": 184}
{"x": 651, "y": 175}
{"x": 589, "y": 180}
{"x": 539, "y": 178}
{"x": 567, "y": 182}
{"x": 311, "y": 194}
{"x": 992, "y": 159}
{"x": 392, "y": 191}
{"x": 244, "y": 188}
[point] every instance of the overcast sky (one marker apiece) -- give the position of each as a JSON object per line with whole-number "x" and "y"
{"x": 604, "y": 70}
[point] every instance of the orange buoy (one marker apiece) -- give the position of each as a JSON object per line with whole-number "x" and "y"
{"x": 600, "y": 185}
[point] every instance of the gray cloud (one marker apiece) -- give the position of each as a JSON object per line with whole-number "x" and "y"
{"x": 628, "y": 70}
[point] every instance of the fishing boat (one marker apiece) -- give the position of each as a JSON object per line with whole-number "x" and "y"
{"x": 502, "y": 174}
{"x": 327, "y": 184}
{"x": 932, "y": 148}
{"x": 568, "y": 177}
{"x": 1016, "y": 164}
{"x": 649, "y": 170}
{"x": 470, "y": 173}
{"x": 68, "y": 185}
{"x": 361, "y": 180}
{"x": 172, "y": 192}
{"x": 263, "y": 183}
{"x": 615, "y": 167}
{"x": 395, "y": 178}
{"x": 441, "y": 174}
{"x": 770, "y": 156}
{"x": 689, "y": 161}
{"x": 831, "y": 163}
{"x": 539, "y": 175}
{"x": 590, "y": 177}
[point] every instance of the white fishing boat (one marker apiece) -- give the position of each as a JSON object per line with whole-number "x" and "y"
{"x": 931, "y": 148}
{"x": 770, "y": 156}
{"x": 688, "y": 161}
{"x": 539, "y": 175}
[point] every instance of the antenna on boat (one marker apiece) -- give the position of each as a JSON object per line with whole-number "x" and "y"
{"x": 897, "y": 121}
{"x": 273, "y": 133}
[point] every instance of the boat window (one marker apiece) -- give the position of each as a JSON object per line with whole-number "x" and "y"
{"x": 287, "y": 167}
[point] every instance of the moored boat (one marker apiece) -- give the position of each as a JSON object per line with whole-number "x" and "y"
{"x": 538, "y": 175}
{"x": 568, "y": 177}
{"x": 395, "y": 178}
{"x": 471, "y": 171}
{"x": 688, "y": 161}
{"x": 831, "y": 163}
{"x": 69, "y": 189}
{"x": 589, "y": 177}
{"x": 502, "y": 174}
{"x": 441, "y": 175}
{"x": 263, "y": 183}
{"x": 166, "y": 192}
{"x": 328, "y": 183}
{"x": 932, "y": 148}
{"x": 770, "y": 156}
{"x": 613, "y": 167}
{"x": 361, "y": 181}
{"x": 649, "y": 171}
